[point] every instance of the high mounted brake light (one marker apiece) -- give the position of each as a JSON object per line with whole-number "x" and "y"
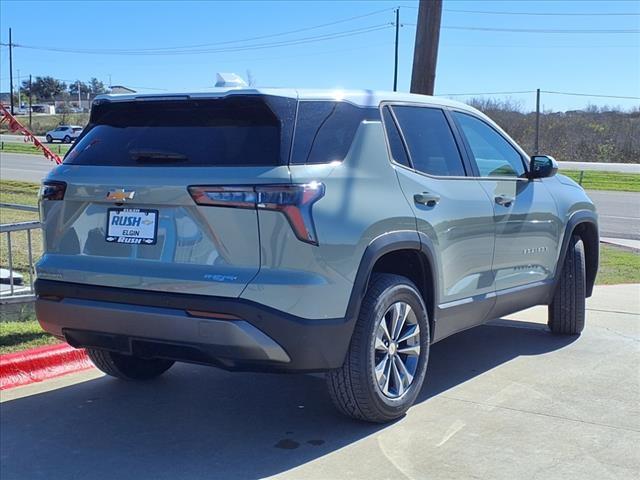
{"x": 52, "y": 190}
{"x": 293, "y": 201}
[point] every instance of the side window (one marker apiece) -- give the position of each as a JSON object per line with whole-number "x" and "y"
{"x": 431, "y": 145}
{"x": 398, "y": 152}
{"x": 325, "y": 130}
{"x": 493, "y": 154}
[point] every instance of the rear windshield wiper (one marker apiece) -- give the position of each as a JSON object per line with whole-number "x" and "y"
{"x": 157, "y": 156}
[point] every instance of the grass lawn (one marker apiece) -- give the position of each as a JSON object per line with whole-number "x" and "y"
{"x": 16, "y": 336}
{"x": 15, "y": 147}
{"x": 26, "y": 194}
{"x": 40, "y": 124}
{"x": 618, "y": 265}
{"x": 594, "y": 180}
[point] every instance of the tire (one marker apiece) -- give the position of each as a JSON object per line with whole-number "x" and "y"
{"x": 66, "y": 139}
{"x": 355, "y": 389}
{"x": 49, "y": 139}
{"x": 128, "y": 367}
{"x": 567, "y": 309}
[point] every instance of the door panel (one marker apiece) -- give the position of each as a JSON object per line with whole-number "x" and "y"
{"x": 526, "y": 222}
{"x": 527, "y": 231}
{"x": 460, "y": 226}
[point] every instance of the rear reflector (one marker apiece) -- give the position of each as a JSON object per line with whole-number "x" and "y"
{"x": 52, "y": 190}
{"x": 293, "y": 201}
{"x": 214, "y": 315}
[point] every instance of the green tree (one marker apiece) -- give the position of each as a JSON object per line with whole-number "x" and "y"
{"x": 46, "y": 88}
{"x": 78, "y": 85}
{"x": 96, "y": 87}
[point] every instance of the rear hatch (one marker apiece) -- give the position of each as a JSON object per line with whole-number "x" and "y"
{"x": 123, "y": 210}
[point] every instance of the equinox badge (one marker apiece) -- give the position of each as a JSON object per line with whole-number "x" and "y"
{"x": 120, "y": 195}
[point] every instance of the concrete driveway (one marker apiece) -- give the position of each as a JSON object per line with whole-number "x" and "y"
{"x": 503, "y": 401}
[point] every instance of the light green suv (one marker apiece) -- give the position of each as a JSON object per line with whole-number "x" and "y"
{"x": 303, "y": 231}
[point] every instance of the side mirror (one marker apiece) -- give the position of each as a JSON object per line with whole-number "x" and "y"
{"x": 542, "y": 166}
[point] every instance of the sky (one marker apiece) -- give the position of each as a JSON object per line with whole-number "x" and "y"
{"x": 125, "y": 43}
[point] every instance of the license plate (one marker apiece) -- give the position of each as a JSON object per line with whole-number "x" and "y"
{"x": 132, "y": 225}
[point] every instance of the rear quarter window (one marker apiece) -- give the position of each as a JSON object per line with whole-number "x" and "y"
{"x": 325, "y": 130}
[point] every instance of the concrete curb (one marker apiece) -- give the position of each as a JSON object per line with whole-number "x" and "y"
{"x": 633, "y": 245}
{"x": 38, "y": 364}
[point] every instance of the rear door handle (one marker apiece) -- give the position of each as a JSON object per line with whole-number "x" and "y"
{"x": 504, "y": 200}
{"x": 426, "y": 198}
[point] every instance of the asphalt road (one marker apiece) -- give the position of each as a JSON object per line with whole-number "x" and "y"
{"x": 24, "y": 167}
{"x": 16, "y": 138}
{"x": 503, "y": 401}
{"x": 619, "y": 211}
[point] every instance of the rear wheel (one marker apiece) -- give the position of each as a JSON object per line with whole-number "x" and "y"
{"x": 387, "y": 360}
{"x": 49, "y": 139}
{"x": 567, "y": 310}
{"x": 67, "y": 139}
{"x": 128, "y": 367}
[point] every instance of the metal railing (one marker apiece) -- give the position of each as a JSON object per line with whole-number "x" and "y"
{"x": 16, "y": 291}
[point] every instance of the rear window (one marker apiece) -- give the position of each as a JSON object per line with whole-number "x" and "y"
{"x": 325, "y": 130}
{"x": 233, "y": 131}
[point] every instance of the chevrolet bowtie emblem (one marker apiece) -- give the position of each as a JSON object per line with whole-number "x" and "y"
{"x": 120, "y": 195}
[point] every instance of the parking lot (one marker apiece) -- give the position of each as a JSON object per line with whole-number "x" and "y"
{"x": 507, "y": 400}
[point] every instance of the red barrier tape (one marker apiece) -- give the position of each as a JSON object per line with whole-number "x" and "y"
{"x": 38, "y": 364}
{"x": 15, "y": 126}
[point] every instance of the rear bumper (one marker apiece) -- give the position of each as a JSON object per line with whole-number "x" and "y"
{"x": 231, "y": 333}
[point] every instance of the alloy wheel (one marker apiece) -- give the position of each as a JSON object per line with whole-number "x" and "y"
{"x": 396, "y": 350}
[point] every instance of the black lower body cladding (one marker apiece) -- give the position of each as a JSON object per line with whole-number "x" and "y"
{"x": 230, "y": 333}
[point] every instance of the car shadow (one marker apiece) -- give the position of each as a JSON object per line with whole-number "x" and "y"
{"x": 200, "y": 422}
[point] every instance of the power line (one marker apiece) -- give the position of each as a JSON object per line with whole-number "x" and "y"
{"x": 594, "y": 95}
{"x": 537, "y": 30}
{"x": 260, "y": 46}
{"x": 476, "y": 45}
{"x": 272, "y": 35}
{"x": 542, "y": 30}
{"x": 158, "y": 50}
{"x": 255, "y": 59}
{"x": 590, "y": 95}
{"x": 482, "y": 93}
{"x": 545, "y": 14}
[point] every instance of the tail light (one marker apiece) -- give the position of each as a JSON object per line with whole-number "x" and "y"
{"x": 293, "y": 201}
{"x": 52, "y": 190}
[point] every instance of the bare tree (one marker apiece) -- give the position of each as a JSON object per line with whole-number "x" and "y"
{"x": 251, "y": 80}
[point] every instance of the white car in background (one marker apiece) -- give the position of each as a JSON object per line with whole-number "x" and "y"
{"x": 64, "y": 133}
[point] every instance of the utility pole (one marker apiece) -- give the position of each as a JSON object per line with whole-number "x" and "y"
{"x": 79, "y": 99}
{"x": 30, "y": 100}
{"x": 537, "y": 144}
{"x": 425, "y": 56}
{"x": 19, "y": 93}
{"x": 395, "y": 66}
{"x": 11, "y": 71}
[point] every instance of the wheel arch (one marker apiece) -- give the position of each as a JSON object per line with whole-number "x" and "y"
{"x": 401, "y": 253}
{"x": 584, "y": 224}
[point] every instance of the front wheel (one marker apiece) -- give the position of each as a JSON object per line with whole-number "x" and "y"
{"x": 128, "y": 367}
{"x": 567, "y": 310}
{"x": 387, "y": 360}
{"x": 49, "y": 139}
